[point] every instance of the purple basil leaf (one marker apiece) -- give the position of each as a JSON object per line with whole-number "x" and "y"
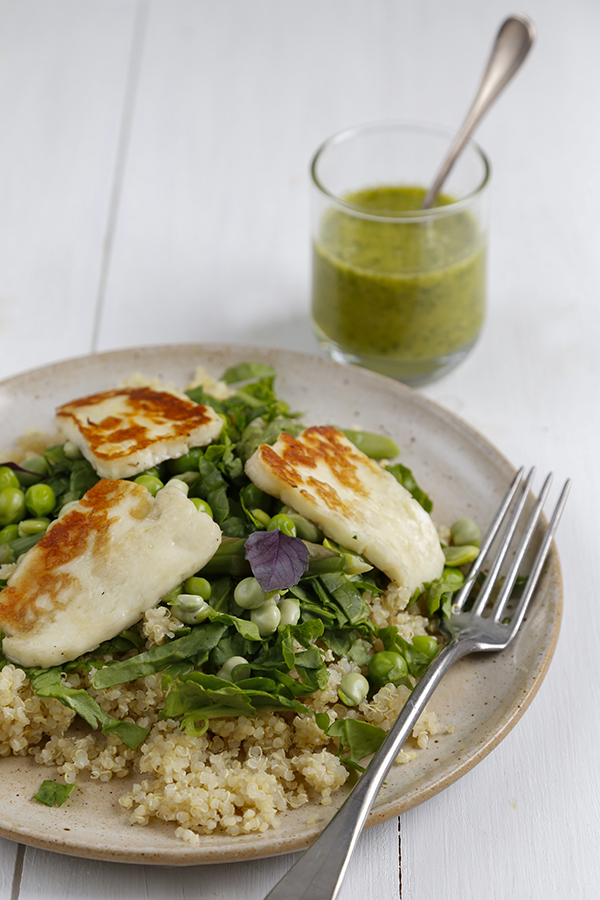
{"x": 277, "y": 561}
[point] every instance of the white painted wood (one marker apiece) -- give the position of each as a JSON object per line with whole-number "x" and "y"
{"x": 211, "y": 243}
{"x": 48, "y": 876}
{"x": 63, "y": 71}
{"x": 8, "y": 859}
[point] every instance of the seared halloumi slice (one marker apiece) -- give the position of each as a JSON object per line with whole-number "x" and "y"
{"x": 127, "y": 430}
{"x": 100, "y": 565}
{"x": 355, "y": 502}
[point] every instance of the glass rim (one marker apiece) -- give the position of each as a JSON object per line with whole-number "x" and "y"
{"x": 410, "y": 215}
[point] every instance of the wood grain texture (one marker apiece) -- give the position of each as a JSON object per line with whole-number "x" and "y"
{"x": 206, "y": 213}
{"x": 48, "y": 876}
{"x": 63, "y": 69}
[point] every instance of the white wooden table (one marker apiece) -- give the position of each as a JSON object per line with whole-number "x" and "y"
{"x": 153, "y": 184}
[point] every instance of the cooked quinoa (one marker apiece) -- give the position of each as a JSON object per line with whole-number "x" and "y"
{"x": 237, "y": 776}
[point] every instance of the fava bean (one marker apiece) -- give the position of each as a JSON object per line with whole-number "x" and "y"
{"x": 460, "y": 556}
{"x": 376, "y": 446}
{"x": 289, "y": 609}
{"x": 179, "y": 484}
{"x": 9, "y": 533}
{"x": 202, "y": 506}
{"x": 32, "y": 526}
{"x": 199, "y": 586}
{"x": 12, "y": 506}
{"x": 387, "y": 667}
{"x": 353, "y": 689}
{"x": 266, "y": 618}
{"x": 40, "y": 499}
{"x": 453, "y": 576}
{"x": 248, "y": 594}
{"x": 151, "y": 483}
{"x": 425, "y": 644}
{"x": 8, "y": 478}
{"x": 36, "y": 467}
{"x": 190, "y": 608}
{"x": 226, "y": 671}
{"x": 283, "y": 523}
{"x": 465, "y": 531}
{"x": 71, "y": 450}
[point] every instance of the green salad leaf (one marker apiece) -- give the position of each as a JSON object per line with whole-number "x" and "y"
{"x": 407, "y": 480}
{"x": 51, "y": 793}
{"x": 361, "y": 739}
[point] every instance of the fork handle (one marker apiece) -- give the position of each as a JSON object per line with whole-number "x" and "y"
{"x": 319, "y": 872}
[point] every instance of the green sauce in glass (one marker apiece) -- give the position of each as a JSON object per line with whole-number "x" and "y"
{"x": 397, "y": 294}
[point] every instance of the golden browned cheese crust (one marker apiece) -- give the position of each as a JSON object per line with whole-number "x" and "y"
{"x": 319, "y": 444}
{"x": 353, "y": 500}
{"x": 69, "y": 538}
{"x": 115, "y": 437}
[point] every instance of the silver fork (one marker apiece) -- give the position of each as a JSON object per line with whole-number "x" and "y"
{"x": 319, "y": 873}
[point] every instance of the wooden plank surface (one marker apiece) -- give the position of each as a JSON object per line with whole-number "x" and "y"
{"x": 48, "y": 876}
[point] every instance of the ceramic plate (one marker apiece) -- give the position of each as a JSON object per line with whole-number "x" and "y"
{"x": 482, "y": 696}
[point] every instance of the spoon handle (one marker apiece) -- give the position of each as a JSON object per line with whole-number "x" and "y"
{"x": 511, "y": 46}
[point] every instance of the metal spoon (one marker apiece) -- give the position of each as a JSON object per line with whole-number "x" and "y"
{"x": 513, "y": 43}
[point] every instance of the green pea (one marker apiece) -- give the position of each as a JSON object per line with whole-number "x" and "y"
{"x": 253, "y": 498}
{"x": 199, "y": 586}
{"x": 465, "y": 531}
{"x": 282, "y": 523}
{"x": 266, "y": 617}
{"x": 9, "y": 533}
{"x": 289, "y": 608}
{"x": 460, "y": 556}
{"x": 12, "y": 506}
{"x": 248, "y": 594}
{"x": 190, "y": 608}
{"x": 40, "y": 499}
{"x": 376, "y": 446}
{"x": 387, "y": 667}
{"x": 8, "y": 478}
{"x": 71, "y": 450}
{"x": 32, "y": 526}
{"x": 150, "y": 482}
{"x": 353, "y": 689}
{"x": 36, "y": 468}
{"x": 425, "y": 644}
{"x": 227, "y": 669}
{"x": 202, "y": 506}
{"x": 187, "y": 463}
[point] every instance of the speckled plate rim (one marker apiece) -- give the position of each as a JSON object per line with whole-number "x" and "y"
{"x": 29, "y": 823}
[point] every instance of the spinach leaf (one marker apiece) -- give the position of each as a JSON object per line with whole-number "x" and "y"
{"x": 48, "y": 683}
{"x": 193, "y": 648}
{"x": 52, "y": 793}
{"x": 407, "y": 480}
{"x": 360, "y": 738}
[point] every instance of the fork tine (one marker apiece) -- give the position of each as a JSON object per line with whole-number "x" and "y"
{"x": 511, "y": 577}
{"x": 492, "y": 576}
{"x": 464, "y": 592}
{"x": 519, "y": 613}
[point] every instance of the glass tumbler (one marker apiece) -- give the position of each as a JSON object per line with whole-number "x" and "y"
{"x": 396, "y": 288}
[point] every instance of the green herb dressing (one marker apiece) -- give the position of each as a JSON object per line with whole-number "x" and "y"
{"x": 398, "y": 292}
